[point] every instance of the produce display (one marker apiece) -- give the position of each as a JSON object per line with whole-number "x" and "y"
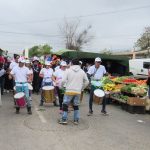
{"x": 124, "y": 85}
{"x": 139, "y": 90}
{"x": 128, "y": 88}
{"x": 120, "y": 97}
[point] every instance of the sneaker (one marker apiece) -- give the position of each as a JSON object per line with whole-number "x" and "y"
{"x": 41, "y": 104}
{"x": 90, "y": 113}
{"x": 104, "y": 113}
{"x": 55, "y": 104}
{"x": 62, "y": 121}
{"x": 76, "y": 122}
{"x": 17, "y": 110}
{"x": 60, "y": 111}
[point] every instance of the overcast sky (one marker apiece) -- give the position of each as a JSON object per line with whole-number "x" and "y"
{"x": 116, "y": 24}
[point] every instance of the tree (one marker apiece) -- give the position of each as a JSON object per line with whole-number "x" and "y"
{"x": 144, "y": 41}
{"x": 75, "y": 39}
{"x": 39, "y": 50}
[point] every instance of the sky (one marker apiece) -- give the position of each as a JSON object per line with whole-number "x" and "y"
{"x": 116, "y": 24}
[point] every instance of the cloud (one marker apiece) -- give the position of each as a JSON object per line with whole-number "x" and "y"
{"x": 115, "y": 30}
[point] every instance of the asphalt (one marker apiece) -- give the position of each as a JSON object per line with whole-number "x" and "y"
{"x": 41, "y": 131}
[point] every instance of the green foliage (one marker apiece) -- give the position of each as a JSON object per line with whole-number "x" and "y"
{"x": 39, "y": 50}
{"x": 144, "y": 41}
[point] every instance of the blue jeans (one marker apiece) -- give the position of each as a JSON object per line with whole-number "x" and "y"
{"x": 66, "y": 102}
{"x": 24, "y": 89}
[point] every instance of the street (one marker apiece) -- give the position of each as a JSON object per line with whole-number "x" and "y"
{"x": 40, "y": 131}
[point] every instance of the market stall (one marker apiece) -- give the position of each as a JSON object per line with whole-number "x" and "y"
{"x": 130, "y": 93}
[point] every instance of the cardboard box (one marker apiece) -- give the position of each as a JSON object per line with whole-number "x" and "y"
{"x": 135, "y": 101}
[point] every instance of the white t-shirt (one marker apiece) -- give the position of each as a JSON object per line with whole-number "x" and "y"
{"x": 59, "y": 74}
{"x": 20, "y": 73}
{"x": 97, "y": 73}
{"x": 13, "y": 65}
{"x": 58, "y": 67}
{"x": 31, "y": 71}
{"x": 47, "y": 74}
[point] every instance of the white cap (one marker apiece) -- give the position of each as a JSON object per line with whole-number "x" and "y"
{"x": 35, "y": 58}
{"x": 98, "y": 59}
{"x": 63, "y": 63}
{"x": 21, "y": 60}
{"x": 27, "y": 61}
{"x": 47, "y": 63}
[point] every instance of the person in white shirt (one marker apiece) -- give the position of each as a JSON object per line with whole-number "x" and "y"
{"x": 21, "y": 74}
{"x": 96, "y": 72}
{"x": 30, "y": 79}
{"x": 14, "y": 63}
{"x": 46, "y": 73}
{"x": 75, "y": 81}
{"x": 58, "y": 76}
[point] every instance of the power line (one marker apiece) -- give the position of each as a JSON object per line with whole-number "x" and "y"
{"x": 82, "y": 16}
{"x": 36, "y": 34}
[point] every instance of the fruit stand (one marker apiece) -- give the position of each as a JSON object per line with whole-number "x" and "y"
{"x": 127, "y": 91}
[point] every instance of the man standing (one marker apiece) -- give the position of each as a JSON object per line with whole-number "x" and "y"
{"x": 96, "y": 72}
{"x": 58, "y": 76}
{"x": 76, "y": 80}
{"x": 21, "y": 73}
{"x": 36, "y": 78}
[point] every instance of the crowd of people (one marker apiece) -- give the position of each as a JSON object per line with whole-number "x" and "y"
{"x": 69, "y": 79}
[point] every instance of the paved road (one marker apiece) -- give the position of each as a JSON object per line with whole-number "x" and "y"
{"x": 40, "y": 131}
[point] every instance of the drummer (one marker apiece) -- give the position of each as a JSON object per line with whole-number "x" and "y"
{"x": 46, "y": 73}
{"x": 30, "y": 79}
{"x": 96, "y": 72}
{"x": 58, "y": 75}
{"x": 21, "y": 75}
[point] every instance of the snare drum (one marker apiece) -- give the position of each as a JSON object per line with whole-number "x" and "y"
{"x": 20, "y": 99}
{"x": 48, "y": 94}
{"x": 98, "y": 96}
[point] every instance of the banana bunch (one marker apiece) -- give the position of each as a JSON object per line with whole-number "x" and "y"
{"x": 109, "y": 87}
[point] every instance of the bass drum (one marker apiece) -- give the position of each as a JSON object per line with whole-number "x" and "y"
{"x": 98, "y": 96}
{"x": 48, "y": 94}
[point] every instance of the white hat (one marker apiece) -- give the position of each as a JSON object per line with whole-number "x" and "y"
{"x": 47, "y": 63}
{"x": 63, "y": 63}
{"x": 27, "y": 61}
{"x": 98, "y": 59}
{"x": 21, "y": 60}
{"x": 35, "y": 58}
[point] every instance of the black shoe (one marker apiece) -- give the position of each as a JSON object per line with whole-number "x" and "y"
{"x": 103, "y": 112}
{"x": 29, "y": 110}
{"x": 62, "y": 121}
{"x": 90, "y": 113}
{"x": 17, "y": 110}
{"x": 76, "y": 122}
{"x": 55, "y": 104}
{"x": 41, "y": 104}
